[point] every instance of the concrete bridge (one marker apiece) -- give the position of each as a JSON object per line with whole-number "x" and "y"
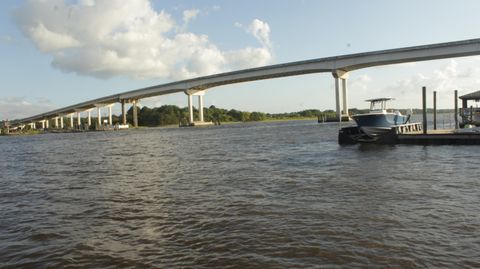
{"x": 338, "y": 66}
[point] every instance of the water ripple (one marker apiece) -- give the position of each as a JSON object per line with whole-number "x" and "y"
{"x": 260, "y": 195}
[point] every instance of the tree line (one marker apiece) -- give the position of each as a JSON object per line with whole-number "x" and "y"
{"x": 174, "y": 115}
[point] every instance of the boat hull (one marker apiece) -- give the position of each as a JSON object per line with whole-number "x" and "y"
{"x": 375, "y": 132}
{"x": 380, "y": 120}
{"x": 376, "y": 125}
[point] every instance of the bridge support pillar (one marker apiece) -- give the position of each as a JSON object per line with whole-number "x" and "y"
{"x": 61, "y": 121}
{"x": 134, "y": 103}
{"x": 124, "y": 116}
{"x": 89, "y": 117}
{"x": 71, "y": 120}
{"x": 99, "y": 113}
{"x": 99, "y": 116}
{"x": 200, "y": 107}
{"x": 345, "y": 97}
{"x": 32, "y": 125}
{"x": 56, "y": 122}
{"x": 110, "y": 122}
{"x": 79, "y": 120}
{"x": 43, "y": 124}
{"x": 341, "y": 94}
{"x": 135, "y": 113}
{"x": 200, "y": 94}
{"x": 190, "y": 109}
{"x": 46, "y": 123}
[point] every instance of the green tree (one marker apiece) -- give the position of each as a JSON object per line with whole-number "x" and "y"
{"x": 257, "y": 116}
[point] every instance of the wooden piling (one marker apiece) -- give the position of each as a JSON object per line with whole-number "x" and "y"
{"x": 456, "y": 109}
{"x": 424, "y": 103}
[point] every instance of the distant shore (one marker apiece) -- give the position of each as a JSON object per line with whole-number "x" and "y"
{"x": 325, "y": 119}
{"x": 38, "y": 131}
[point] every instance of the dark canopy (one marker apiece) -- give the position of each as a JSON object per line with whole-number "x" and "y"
{"x": 471, "y": 96}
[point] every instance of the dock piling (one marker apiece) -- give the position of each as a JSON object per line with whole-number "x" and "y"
{"x": 424, "y": 103}
{"x": 456, "y": 109}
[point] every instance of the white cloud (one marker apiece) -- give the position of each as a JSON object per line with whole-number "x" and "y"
{"x": 20, "y": 107}
{"x": 89, "y": 3}
{"x": 446, "y": 78}
{"x": 105, "y": 38}
{"x": 261, "y": 31}
{"x": 48, "y": 41}
{"x": 455, "y": 74}
{"x": 189, "y": 15}
{"x": 360, "y": 82}
{"x": 442, "y": 76}
{"x": 248, "y": 57}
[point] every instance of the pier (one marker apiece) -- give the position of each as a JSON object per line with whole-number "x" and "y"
{"x": 413, "y": 134}
{"x": 443, "y": 137}
{"x": 417, "y": 133}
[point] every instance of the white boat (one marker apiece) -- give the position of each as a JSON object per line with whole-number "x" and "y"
{"x": 379, "y": 120}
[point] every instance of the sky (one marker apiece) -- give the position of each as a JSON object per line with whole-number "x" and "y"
{"x": 62, "y": 52}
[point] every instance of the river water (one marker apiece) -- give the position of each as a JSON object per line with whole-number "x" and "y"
{"x": 257, "y": 195}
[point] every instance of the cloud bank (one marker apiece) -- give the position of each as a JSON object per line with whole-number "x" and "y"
{"x": 460, "y": 74}
{"x": 106, "y": 38}
{"x": 20, "y": 107}
{"x": 454, "y": 74}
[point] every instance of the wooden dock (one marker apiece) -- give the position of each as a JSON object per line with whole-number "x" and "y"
{"x": 439, "y": 137}
{"x": 412, "y": 134}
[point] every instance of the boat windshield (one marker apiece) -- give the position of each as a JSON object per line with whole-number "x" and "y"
{"x": 378, "y": 105}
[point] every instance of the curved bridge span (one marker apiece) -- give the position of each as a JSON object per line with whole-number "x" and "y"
{"x": 338, "y": 66}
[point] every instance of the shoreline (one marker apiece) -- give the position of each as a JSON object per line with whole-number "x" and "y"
{"x": 57, "y": 131}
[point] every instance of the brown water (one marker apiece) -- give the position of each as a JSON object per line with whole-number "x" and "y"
{"x": 265, "y": 195}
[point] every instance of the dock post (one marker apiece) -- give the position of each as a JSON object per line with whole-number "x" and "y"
{"x": 424, "y": 103}
{"x": 434, "y": 110}
{"x": 456, "y": 109}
